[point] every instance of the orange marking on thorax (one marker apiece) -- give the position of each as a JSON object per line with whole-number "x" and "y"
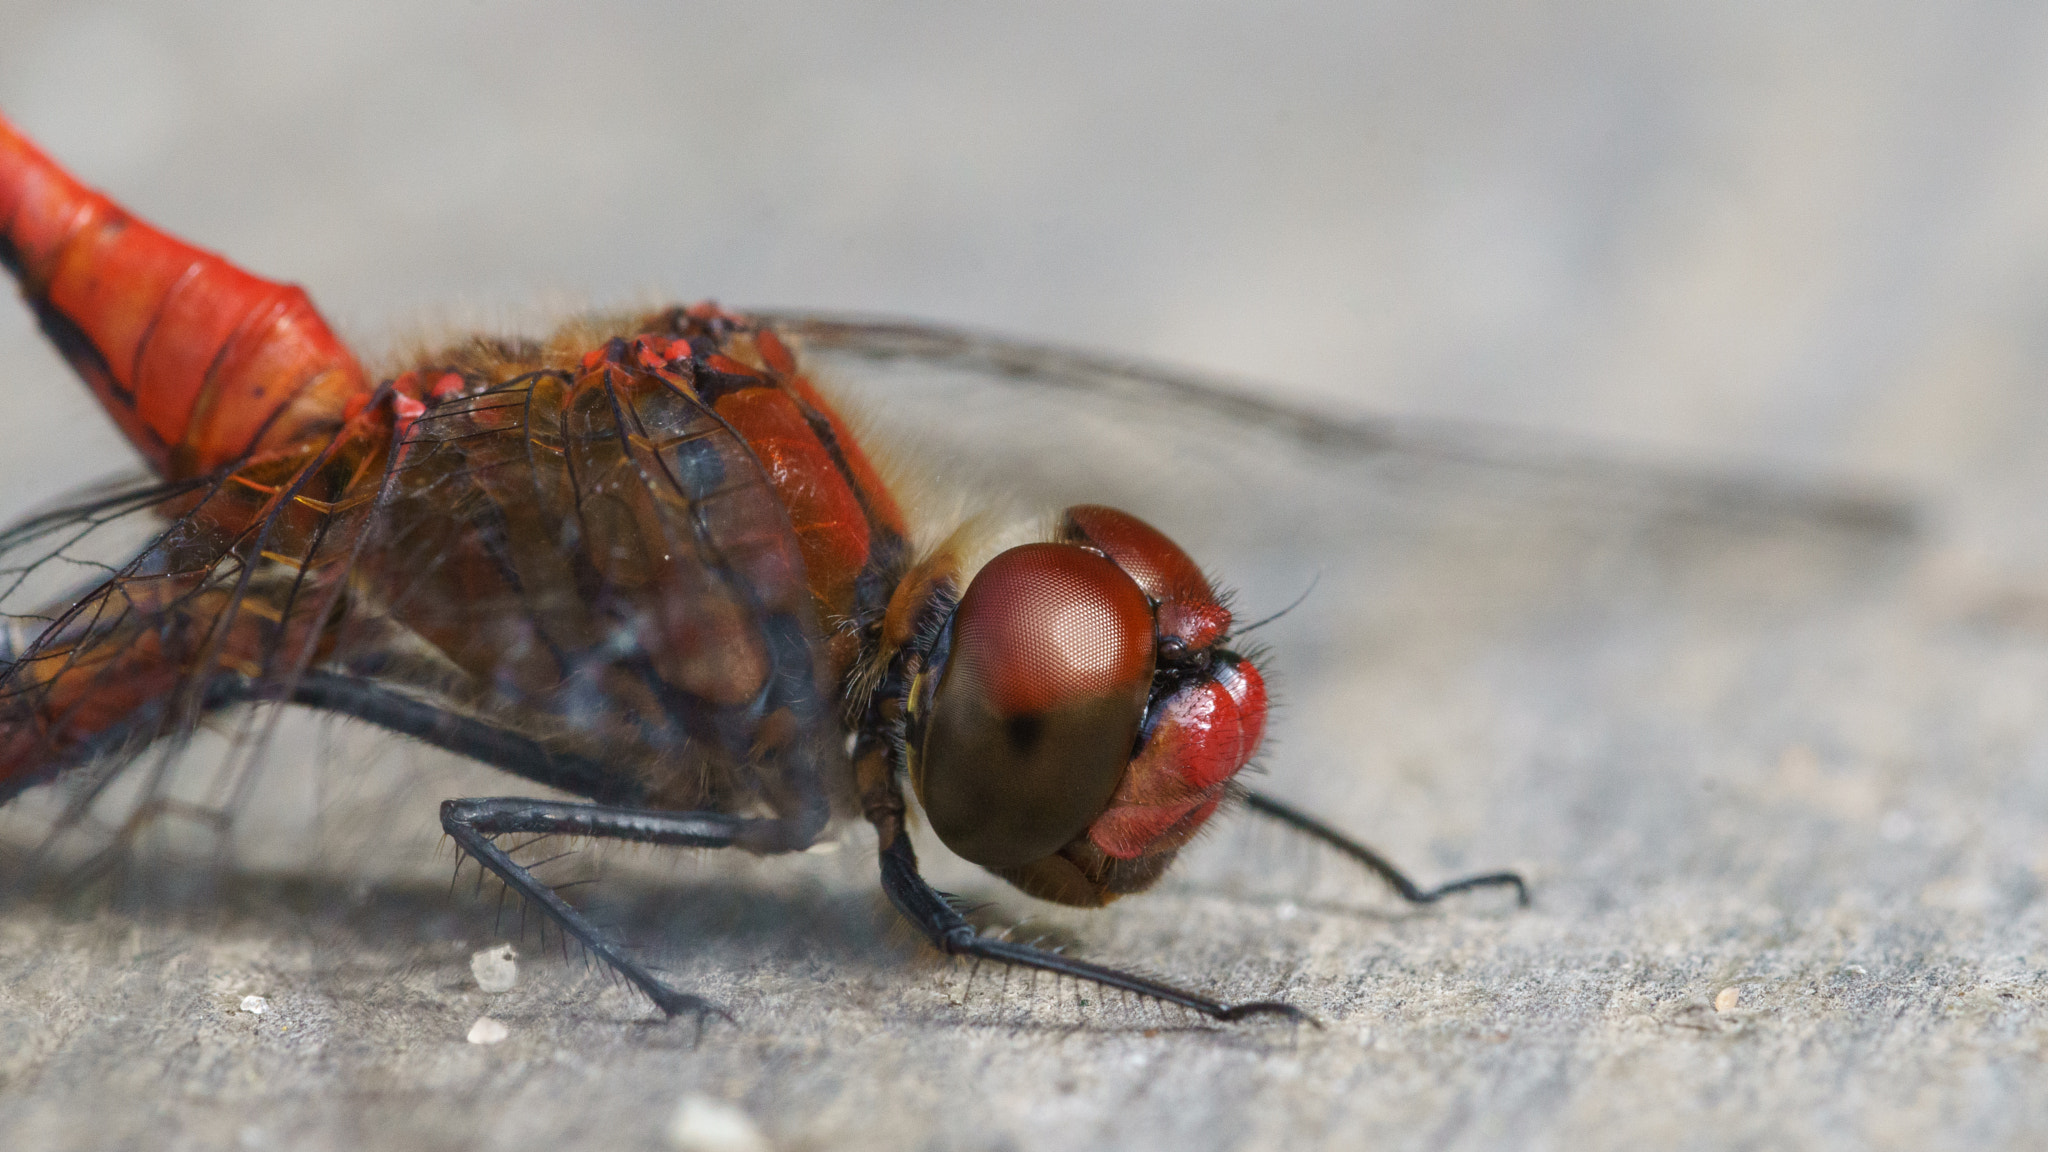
{"x": 831, "y": 528}
{"x": 880, "y": 502}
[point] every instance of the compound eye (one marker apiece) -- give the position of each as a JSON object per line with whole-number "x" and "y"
{"x": 1036, "y": 714}
{"x": 1188, "y": 606}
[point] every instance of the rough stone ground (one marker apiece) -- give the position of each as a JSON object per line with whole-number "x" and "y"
{"x": 1771, "y": 751}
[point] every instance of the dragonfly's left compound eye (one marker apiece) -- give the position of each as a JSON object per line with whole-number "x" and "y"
{"x": 1037, "y": 712}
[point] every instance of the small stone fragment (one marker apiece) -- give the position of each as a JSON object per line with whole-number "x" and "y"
{"x": 701, "y": 1124}
{"x": 255, "y": 1005}
{"x": 487, "y": 1031}
{"x": 1727, "y": 998}
{"x": 495, "y": 969}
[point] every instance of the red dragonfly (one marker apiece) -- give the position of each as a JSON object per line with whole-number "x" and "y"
{"x": 640, "y": 560}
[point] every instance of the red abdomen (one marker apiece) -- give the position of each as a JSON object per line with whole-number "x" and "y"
{"x": 199, "y": 362}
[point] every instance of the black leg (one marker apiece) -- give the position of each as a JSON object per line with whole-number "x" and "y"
{"x": 473, "y": 823}
{"x": 512, "y": 751}
{"x": 950, "y": 932}
{"x": 1303, "y": 822}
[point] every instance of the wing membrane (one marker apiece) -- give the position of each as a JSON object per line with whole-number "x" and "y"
{"x": 586, "y": 578}
{"x": 1059, "y": 381}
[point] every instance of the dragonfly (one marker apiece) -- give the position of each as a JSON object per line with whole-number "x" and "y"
{"x": 641, "y": 560}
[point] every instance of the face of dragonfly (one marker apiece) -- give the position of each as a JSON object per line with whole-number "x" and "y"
{"x": 1082, "y": 716}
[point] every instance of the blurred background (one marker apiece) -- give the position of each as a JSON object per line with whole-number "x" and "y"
{"x": 1802, "y": 238}
{"x": 1740, "y": 742}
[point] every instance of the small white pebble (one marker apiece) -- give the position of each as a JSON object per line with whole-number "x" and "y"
{"x": 1286, "y": 910}
{"x": 701, "y": 1124}
{"x": 495, "y": 969}
{"x": 1727, "y": 998}
{"x": 255, "y": 1005}
{"x": 487, "y": 1031}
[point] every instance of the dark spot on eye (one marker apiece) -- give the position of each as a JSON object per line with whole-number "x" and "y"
{"x": 1023, "y": 732}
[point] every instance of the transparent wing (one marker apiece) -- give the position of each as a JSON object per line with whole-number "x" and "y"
{"x": 1272, "y": 497}
{"x": 80, "y": 587}
{"x": 585, "y": 581}
{"x": 955, "y": 391}
{"x": 134, "y": 615}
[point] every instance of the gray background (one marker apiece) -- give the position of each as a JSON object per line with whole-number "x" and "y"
{"x": 1593, "y": 257}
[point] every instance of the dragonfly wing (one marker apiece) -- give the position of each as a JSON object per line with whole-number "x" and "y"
{"x": 1402, "y": 527}
{"x": 592, "y": 566}
{"x": 131, "y": 615}
{"x": 963, "y": 382}
{"x": 85, "y": 585}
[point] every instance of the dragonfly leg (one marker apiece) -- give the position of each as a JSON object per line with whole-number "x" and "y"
{"x": 1409, "y": 890}
{"x": 365, "y": 699}
{"x": 928, "y": 909}
{"x": 474, "y": 823}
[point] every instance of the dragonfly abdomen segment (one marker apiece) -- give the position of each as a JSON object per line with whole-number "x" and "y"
{"x": 199, "y": 362}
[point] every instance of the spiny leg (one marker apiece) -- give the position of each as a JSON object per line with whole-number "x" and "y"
{"x": 474, "y": 822}
{"x": 1410, "y": 891}
{"x": 950, "y": 933}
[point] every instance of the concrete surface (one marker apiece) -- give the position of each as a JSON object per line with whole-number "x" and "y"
{"x": 1700, "y": 575}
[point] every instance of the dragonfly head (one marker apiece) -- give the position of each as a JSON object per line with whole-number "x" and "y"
{"x": 1084, "y": 716}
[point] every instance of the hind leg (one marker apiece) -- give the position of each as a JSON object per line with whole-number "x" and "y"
{"x": 476, "y": 823}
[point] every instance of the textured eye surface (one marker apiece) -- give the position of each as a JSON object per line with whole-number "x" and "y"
{"x": 1188, "y": 608}
{"x": 1148, "y": 555}
{"x": 1037, "y": 712}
